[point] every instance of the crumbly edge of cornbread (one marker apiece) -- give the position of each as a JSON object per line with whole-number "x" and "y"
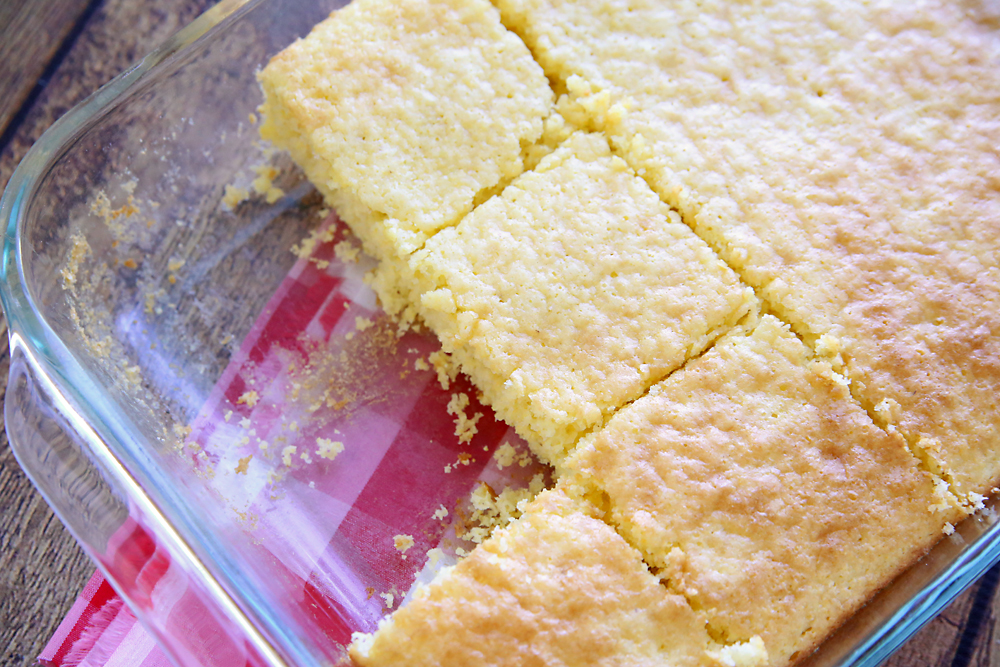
{"x": 550, "y": 432}
{"x": 394, "y": 280}
{"x": 553, "y": 445}
{"x": 375, "y": 230}
{"x": 943, "y": 508}
{"x": 876, "y": 381}
{"x": 385, "y": 238}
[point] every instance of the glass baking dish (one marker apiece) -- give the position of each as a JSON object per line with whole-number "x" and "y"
{"x": 185, "y": 368}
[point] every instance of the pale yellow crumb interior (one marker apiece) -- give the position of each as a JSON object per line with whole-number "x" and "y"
{"x": 571, "y": 292}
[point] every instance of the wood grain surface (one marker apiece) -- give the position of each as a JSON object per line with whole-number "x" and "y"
{"x": 31, "y": 32}
{"x": 41, "y": 567}
{"x": 53, "y": 53}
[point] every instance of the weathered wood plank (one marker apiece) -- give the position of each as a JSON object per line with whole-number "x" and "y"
{"x": 41, "y": 567}
{"x": 31, "y": 31}
{"x": 118, "y": 34}
{"x": 963, "y": 635}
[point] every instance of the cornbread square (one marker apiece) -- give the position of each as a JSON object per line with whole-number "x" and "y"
{"x": 556, "y": 587}
{"x": 841, "y": 156}
{"x": 570, "y": 293}
{"x": 403, "y": 113}
{"x": 762, "y": 492}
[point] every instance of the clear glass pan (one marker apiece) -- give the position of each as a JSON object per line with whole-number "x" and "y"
{"x": 147, "y": 299}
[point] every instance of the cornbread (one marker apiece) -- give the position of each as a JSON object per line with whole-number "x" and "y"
{"x": 750, "y": 476}
{"x": 731, "y": 484}
{"x": 556, "y": 587}
{"x": 403, "y": 113}
{"x": 841, "y": 156}
{"x": 571, "y": 292}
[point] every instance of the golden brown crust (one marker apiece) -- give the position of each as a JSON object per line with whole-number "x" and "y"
{"x": 841, "y": 156}
{"x": 751, "y": 476}
{"x": 556, "y": 588}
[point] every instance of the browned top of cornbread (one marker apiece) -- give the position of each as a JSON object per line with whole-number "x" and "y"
{"x": 766, "y": 495}
{"x": 572, "y": 291}
{"x": 841, "y": 155}
{"x": 557, "y": 587}
{"x": 411, "y": 108}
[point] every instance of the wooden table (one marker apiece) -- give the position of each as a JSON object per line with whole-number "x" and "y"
{"x": 53, "y": 53}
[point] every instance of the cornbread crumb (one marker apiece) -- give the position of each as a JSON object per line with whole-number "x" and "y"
{"x": 829, "y": 346}
{"x": 464, "y": 459}
{"x": 328, "y": 449}
{"x": 263, "y": 184}
{"x": 434, "y": 556}
{"x": 421, "y": 364}
{"x": 441, "y": 513}
{"x": 287, "y": 453}
{"x": 482, "y": 497}
{"x": 943, "y": 497}
{"x": 403, "y": 543}
{"x": 465, "y": 426}
{"x": 249, "y": 398}
{"x": 243, "y": 465}
{"x": 445, "y": 366}
{"x": 504, "y": 455}
{"x": 308, "y": 245}
{"x": 492, "y": 510}
{"x": 976, "y": 501}
{"x": 79, "y": 250}
{"x": 389, "y": 599}
{"x": 233, "y": 196}
{"x": 346, "y": 252}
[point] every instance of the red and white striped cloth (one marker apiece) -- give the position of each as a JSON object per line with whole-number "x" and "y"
{"x": 407, "y": 468}
{"x": 101, "y": 630}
